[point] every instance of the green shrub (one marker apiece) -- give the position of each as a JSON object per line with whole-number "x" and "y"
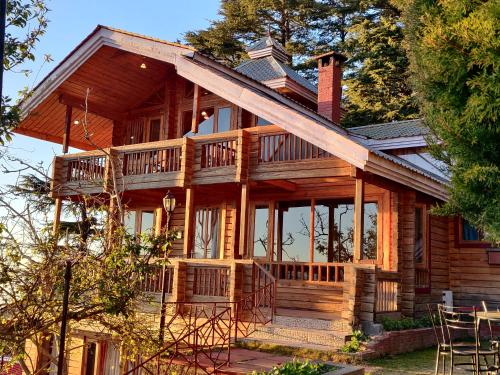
{"x": 405, "y": 323}
{"x": 298, "y": 368}
{"x": 354, "y": 345}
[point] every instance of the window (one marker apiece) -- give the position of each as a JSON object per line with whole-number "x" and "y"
{"x": 370, "y": 232}
{"x": 262, "y": 122}
{"x": 466, "y": 235}
{"x": 154, "y": 130}
{"x": 420, "y": 236}
{"x": 207, "y": 228}
{"x": 223, "y": 119}
{"x": 137, "y": 222}
{"x": 261, "y": 231}
{"x": 294, "y": 236}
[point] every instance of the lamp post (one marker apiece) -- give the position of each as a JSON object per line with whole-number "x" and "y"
{"x": 169, "y": 206}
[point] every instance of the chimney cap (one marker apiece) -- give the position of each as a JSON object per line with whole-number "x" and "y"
{"x": 336, "y": 56}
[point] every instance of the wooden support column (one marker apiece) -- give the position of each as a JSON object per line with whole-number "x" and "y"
{"x": 180, "y": 278}
{"x": 67, "y": 128}
{"x": 188, "y": 222}
{"x": 359, "y": 214}
{"x": 270, "y": 231}
{"x": 236, "y": 282}
{"x": 244, "y": 210}
{"x": 196, "y": 109}
{"x": 57, "y": 216}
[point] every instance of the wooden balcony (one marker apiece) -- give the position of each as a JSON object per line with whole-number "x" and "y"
{"x": 260, "y": 153}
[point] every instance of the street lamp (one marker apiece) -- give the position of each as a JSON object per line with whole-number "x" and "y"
{"x": 169, "y": 206}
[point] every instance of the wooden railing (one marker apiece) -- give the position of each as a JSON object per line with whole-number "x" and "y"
{"x": 211, "y": 281}
{"x": 158, "y": 160}
{"x": 302, "y": 271}
{"x": 218, "y": 154}
{"x": 387, "y": 292}
{"x": 279, "y": 147}
{"x": 86, "y": 168}
{"x": 153, "y": 280}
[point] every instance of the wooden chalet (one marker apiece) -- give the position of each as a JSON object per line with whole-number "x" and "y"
{"x": 263, "y": 177}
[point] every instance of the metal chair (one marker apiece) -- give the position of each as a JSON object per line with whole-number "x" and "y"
{"x": 443, "y": 344}
{"x": 494, "y": 341}
{"x": 462, "y": 321}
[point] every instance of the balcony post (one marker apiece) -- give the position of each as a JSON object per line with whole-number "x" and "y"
{"x": 188, "y": 222}
{"x": 359, "y": 216}
{"x": 195, "y": 121}
{"x": 244, "y": 210}
{"x": 67, "y": 128}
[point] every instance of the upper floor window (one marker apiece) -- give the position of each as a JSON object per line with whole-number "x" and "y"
{"x": 212, "y": 120}
{"x": 420, "y": 246}
{"x": 262, "y": 121}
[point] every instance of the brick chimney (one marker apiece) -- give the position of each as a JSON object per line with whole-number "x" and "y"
{"x": 329, "y": 85}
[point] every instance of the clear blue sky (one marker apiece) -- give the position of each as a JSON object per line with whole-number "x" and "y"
{"x": 72, "y": 20}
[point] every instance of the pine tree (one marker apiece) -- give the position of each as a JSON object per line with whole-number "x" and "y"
{"x": 455, "y": 64}
{"x": 292, "y": 22}
{"x": 377, "y": 75}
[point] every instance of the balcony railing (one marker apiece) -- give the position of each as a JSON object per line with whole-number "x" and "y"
{"x": 235, "y": 156}
{"x": 306, "y": 271}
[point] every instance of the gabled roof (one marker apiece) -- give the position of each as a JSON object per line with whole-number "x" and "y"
{"x": 389, "y": 130}
{"x": 269, "y": 68}
{"x": 246, "y": 93}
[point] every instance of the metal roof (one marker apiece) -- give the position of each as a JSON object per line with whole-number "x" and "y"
{"x": 269, "y": 68}
{"x": 396, "y": 129}
{"x": 266, "y": 42}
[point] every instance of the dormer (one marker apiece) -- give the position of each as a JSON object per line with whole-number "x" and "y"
{"x": 269, "y": 64}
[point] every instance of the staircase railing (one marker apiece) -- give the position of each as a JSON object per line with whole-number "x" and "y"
{"x": 199, "y": 335}
{"x": 201, "y": 344}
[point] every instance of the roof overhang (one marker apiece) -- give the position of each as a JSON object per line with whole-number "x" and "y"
{"x": 289, "y": 84}
{"x": 244, "y": 92}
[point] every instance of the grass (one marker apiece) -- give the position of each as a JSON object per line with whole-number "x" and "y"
{"x": 420, "y": 362}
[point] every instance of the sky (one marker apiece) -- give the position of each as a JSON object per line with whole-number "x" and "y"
{"x": 72, "y": 20}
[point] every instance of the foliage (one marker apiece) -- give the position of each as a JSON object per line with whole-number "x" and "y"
{"x": 454, "y": 52}
{"x": 406, "y": 323}
{"x": 377, "y": 77}
{"x": 108, "y": 267}
{"x": 26, "y": 23}
{"x": 298, "y": 368}
{"x": 355, "y": 343}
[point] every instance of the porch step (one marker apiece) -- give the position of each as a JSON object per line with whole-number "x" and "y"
{"x": 336, "y": 325}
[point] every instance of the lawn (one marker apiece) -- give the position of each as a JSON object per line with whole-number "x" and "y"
{"x": 420, "y": 362}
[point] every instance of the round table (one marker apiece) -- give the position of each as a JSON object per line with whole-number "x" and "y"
{"x": 492, "y": 316}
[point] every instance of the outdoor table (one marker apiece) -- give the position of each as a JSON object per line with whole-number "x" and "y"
{"x": 492, "y": 316}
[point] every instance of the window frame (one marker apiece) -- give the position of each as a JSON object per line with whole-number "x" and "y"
{"x": 425, "y": 226}
{"x": 273, "y": 235}
{"x": 461, "y": 243}
{"x": 138, "y": 219}
{"x": 222, "y": 224}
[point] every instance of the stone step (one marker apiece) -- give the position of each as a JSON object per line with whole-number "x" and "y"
{"x": 294, "y": 336}
{"x": 338, "y": 325}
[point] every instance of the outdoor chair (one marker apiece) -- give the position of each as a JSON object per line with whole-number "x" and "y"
{"x": 494, "y": 340}
{"x": 462, "y": 321}
{"x": 442, "y": 338}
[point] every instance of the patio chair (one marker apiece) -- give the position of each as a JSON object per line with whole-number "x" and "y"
{"x": 494, "y": 340}
{"x": 442, "y": 338}
{"x": 462, "y": 321}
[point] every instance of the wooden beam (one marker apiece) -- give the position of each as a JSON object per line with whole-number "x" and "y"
{"x": 67, "y": 129}
{"x": 311, "y": 231}
{"x": 91, "y": 107}
{"x": 282, "y": 184}
{"x": 188, "y": 222}
{"x": 196, "y": 109}
{"x": 57, "y": 216}
{"x": 244, "y": 210}
{"x": 359, "y": 214}
{"x": 270, "y": 231}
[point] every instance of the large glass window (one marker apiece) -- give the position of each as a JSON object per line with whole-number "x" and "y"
{"x": 469, "y": 232}
{"x": 261, "y": 231}
{"x": 139, "y": 221}
{"x": 206, "y": 240}
{"x": 294, "y": 231}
